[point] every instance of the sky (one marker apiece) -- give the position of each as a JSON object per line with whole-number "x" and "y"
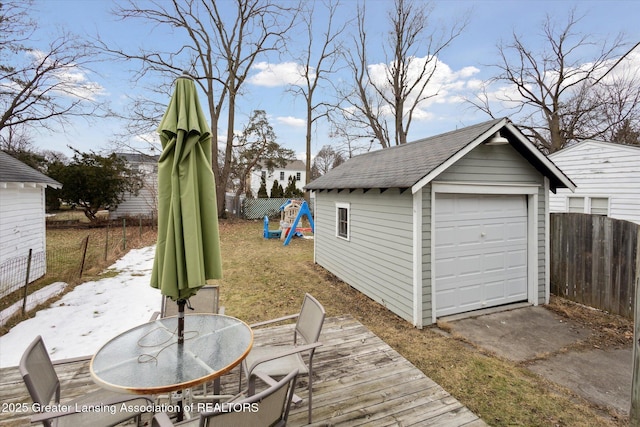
{"x": 462, "y": 66}
{"x": 91, "y": 314}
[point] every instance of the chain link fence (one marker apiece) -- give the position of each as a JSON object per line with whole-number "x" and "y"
{"x": 73, "y": 253}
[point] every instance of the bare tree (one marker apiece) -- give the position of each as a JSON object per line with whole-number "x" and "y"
{"x": 257, "y": 144}
{"x": 617, "y": 100}
{"x": 382, "y": 106}
{"x": 220, "y": 43}
{"x": 41, "y": 86}
{"x": 552, "y": 92}
{"x": 319, "y": 62}
{"x": 326, "y": 159}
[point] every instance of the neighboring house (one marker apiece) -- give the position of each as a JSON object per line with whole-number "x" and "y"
{"x": 145, "y": 203}
{"x": 295, "y": 169}
{"x": 607, "y": 176}
{"x": 445, "y": 225}
{"x": 22, "y": 222}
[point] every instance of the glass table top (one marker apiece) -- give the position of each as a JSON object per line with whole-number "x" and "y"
{"x": 147, "y": 359}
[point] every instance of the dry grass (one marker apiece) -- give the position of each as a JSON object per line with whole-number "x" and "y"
{"x": 64, "y": 257}
{"x": 263, "y": 280}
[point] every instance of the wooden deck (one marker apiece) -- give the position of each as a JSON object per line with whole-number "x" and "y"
{"x": 359, "y": 380}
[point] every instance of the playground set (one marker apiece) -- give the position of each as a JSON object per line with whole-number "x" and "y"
{"x": 290, "y": 214}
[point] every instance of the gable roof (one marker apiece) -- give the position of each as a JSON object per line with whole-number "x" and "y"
{"x": 631, "y": 149}
{"x": 295, "y": 165}
{"x": 13, "y": 170}
{"x": 139, "y": 157}
{"x": 415, "y": 164}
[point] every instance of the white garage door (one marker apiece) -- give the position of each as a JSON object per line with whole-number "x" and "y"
{"x": 480, "y": 251}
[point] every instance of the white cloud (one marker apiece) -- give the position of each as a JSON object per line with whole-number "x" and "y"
{"x": 291, "y": 121}
{"x": 70, "y": 80}
{"x": 445, "y": 86}
{"x": 273, "y": 75}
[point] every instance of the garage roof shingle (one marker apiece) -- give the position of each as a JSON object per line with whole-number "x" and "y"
{"x": 401, "y": 166}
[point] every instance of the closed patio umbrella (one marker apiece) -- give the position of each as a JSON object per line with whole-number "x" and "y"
{"x": 188, "y": 247}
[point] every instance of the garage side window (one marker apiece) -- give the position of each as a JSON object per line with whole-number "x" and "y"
{"x": 342, "y": 220}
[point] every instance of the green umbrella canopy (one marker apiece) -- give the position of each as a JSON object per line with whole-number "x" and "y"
{"x": 188, "y": 248}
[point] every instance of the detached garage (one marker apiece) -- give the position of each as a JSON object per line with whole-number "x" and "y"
{"x": 445, "y": 225}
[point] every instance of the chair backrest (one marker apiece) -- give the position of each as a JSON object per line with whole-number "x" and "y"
{"x": 267, "y": 408}
{"x": 310, "y": 320}
{"x": 207, "y": 300}
{"x": 38, "y": 373}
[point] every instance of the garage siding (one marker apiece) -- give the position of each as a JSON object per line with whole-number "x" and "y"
{"x": 503, "y": 164}
{"x": 542, "y": 279}
{"x": 426, "y": 255}
{"x": 377, "y": 260}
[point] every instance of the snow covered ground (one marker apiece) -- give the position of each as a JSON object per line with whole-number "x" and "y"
{"x": 94, "y": 312}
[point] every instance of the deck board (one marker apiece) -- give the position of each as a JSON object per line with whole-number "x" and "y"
{"x": 359, "y": 381}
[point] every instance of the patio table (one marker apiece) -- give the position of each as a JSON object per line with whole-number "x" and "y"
{"x": 148, "y": 360}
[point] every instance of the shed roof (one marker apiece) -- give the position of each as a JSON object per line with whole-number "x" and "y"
{"x": 14, "y": 171}
{"x": 631, "y": 149}
{"x": 415, "y": 164}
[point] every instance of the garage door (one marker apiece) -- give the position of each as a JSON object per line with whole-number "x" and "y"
{"x": 480, "y": 251}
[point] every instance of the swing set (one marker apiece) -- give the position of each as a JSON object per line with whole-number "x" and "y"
{"x": 290, "y": 214}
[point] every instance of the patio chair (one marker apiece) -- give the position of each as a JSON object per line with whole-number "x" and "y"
{"x": 207, "y": 300}
{"x": 272, "y": 409}
{"x": 266, "y": 362}
{"x": 43, "y": 385}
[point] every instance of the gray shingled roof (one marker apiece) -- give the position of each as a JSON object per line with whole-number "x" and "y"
{"x": 13, "y": 170}
{"x": 400, "y": 166}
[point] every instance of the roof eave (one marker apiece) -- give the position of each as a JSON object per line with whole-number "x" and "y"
{"x": 559, "y": 176}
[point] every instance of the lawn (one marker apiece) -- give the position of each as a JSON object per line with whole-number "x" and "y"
{"x": 264, "y": 279}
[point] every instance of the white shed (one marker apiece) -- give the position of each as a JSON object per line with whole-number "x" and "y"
{"x": 607, "y": 177}
{"x": 145, "y": 202}
{"x": 445, "y": 225}
{"x": 22, "y": 221}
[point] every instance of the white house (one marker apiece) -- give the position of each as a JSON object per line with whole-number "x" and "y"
{"x": 607, "y": 177}
{"x": 445, "y": 225}
{"x": 22, "y": 222}
{"x": 145, "y": 203}
{"x": 294, "y": 169}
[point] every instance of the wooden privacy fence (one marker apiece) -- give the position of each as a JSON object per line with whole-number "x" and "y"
{"x": 595, "y": 260}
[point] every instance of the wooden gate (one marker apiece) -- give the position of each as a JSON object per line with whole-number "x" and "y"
{"x": 594, "y": 261}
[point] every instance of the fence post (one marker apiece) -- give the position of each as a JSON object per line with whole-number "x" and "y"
{"x": 634, "y": 412}
{"x": 85, "y": 245}
{"x": 26, "y": 283}
{"x": 124, "y": 234}
{"x": 106, "y": 242}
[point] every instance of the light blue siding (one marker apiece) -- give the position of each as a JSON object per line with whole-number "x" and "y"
{"x": 503, "y": 164}
{"x": 377, "y": 260}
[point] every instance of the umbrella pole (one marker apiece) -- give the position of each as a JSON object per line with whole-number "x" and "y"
{"x": 181, "y": 321}
{"x": 181, "y": 303}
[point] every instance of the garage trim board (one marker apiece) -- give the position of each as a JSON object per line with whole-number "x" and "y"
{"x": 529, "y": 193}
